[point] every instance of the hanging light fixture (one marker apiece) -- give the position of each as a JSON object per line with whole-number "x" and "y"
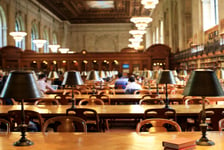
{"x": 18, "y": 36}
{"x": 54, "y": 48}
{"x": 64, "y": 50}
{"x": 39, "y": 43}
{"x": 141, "y": 22}
{"x": 137, "y": 34}
{"x": 149, "y": 4}
{"x": 135, "y": 41}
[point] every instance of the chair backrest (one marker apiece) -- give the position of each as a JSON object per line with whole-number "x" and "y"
{"x": 103, "y": 97}
{"x": 214, "y": 114}
{"x": 221, "y": 124}
{"x": 4, "y": 125}
{"x": 86, "y": 114}
{"x": 76, "y": 92}
{"x": 47, "y": 102}
{"x": 143, "y": 91}
{"x": 30, "y": 116}
{"x": 150, "y": 96}
{"x": 195, "y": 101}
{"x": 151, "y": 101}
{"x": 91, "y": 101}
{"x": 157, "y": 125}
{"x": 130, "y": 91}
{"x": 65, "y": 124}
{"x": 166, "y": 113}
{"x": 106, "y": 92}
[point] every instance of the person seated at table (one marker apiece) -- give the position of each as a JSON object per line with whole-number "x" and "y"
{"x": 121, "y": 82}
{"x": 132, "y": 86}
{"x": 43, "y": 85}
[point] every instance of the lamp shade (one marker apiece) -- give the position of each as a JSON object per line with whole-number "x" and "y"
{"x": 166, "y": 77}
{"x": 72, "y": 78}
{"x": 53, "y": 75}
{"x": 155, "y": 74}
{"x": 203, "y": 82}
{"x": 21, "y": 85}
{"x": 93, "y": 76}
{"x": 102, "y": 74}
{"x": 220, "y": 73}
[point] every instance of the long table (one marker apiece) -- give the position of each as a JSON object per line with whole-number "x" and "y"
{"x": 107, "y": 111}
{"x": 113, "y": 111}
{"x": 105, "y": 141}
{"x": 131, "y": 98}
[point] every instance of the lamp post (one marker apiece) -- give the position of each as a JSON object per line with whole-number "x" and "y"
{"x": 93, "y": 77}
{"x": 166, "y": 77}
{"x": 21, "y": 85}
{"x": 203, "y": 83}
{"x": 72, "y": 78}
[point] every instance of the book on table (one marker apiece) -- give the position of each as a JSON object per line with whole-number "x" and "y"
{"x": 179, "y": 144}
{"x": 192, "y": 147}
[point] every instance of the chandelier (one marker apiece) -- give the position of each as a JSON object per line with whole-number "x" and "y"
{"x": 137, "y": 34}
{"x": 140, "y": 19}
{"x": 135, "y": 42}
{"x": 39, "y": 43}
{"x": 141, "y": 22}
{"x": 64, "y": 50}
{"x": 18, "y": 36}
{"x": 149, "y": 4}
{"x": 54, "y": 48}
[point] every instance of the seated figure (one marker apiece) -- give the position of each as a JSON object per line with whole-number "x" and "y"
{"x": 132, "y": 86}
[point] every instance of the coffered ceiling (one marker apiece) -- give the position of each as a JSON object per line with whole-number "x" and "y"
{"x": 95, "y": 11}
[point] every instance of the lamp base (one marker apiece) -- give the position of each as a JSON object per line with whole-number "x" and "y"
{"x": 204, "y": 142}
{"x": 167, "y": 107}
{"x": 23, "y": 142}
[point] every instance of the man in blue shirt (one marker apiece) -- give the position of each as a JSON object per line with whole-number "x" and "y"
{"x": 121, "y": 82}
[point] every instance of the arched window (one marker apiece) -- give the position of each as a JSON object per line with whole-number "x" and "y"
{"x": 54, "y": 39}
{"x": 3, "y": 28}
{"x": 161, "y": 31}
{"x": 34, "y": 35}
{"x": 46, "y": 37}
{"x": 19, "y": 26}
{"x": 210, "y": 13}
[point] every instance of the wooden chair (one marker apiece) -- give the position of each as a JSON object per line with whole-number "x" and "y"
{"x": 150, "y": 96}
{"x": 4, "y": 125}
{"x": 151, "y": 101}
{"x": 65, "y": 124}
{"x": 143, "y": 91}
{"x": 195, "y": 101}
{"x": 106, "y": 92}
{"x": 47, "y": 102}
{"x": 221, "y": 124}
{"x": 32, "y": 118}
{"x": 166, "y": 113}
{"x": 95, "y": 101}
{"x": 213, "y": 115}
{"x": 104, "y": 97}
{"x": 192, "y": 123}
{"x": 91, "y": 101}
{"x": 89, "y": 115}
{"x": 2, "y": 101}
{"x": 157, "y": 125}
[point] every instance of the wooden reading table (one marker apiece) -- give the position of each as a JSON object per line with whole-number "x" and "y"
{"x": 105, "y": 141}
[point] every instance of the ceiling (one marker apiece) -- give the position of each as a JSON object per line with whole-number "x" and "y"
{"x": 93, "y": 11}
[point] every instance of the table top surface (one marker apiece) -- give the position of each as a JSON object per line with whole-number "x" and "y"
{"x": 105, "y": 110}
{"x": 105, "y": 141}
